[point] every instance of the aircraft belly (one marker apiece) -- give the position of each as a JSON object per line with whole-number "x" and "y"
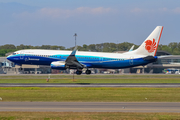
{"x": 110, "y": 65}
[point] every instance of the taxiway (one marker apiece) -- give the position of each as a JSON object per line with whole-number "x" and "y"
{"x": 91, "y": 106}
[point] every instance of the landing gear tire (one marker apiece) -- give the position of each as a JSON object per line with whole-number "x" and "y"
{"x": 88, "y": 72}
{"x": 78, "y": 72}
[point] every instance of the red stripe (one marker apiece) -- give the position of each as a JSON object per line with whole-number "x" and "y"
{"x": 158, "y": 41}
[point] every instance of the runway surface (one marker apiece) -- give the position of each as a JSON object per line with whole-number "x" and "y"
{"x": 162, "y": 85}
{"x": 91, "y": 106}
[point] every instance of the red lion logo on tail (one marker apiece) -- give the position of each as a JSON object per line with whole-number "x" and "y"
{"x": 150, "y": 45}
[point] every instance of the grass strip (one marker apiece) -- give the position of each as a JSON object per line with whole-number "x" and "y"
{"x": 82, "y": 94}
{"x": 87, "y": 116}
{"x": 107, "y": 80}
{"x": 103, "y": 76}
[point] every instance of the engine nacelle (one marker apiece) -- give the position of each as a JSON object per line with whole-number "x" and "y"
{"x": 60, "y": 65}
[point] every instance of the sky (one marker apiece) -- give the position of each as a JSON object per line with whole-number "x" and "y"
{"x": 54, "y": 22}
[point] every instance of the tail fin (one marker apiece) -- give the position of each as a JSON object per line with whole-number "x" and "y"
{"x": 150, "y": 45}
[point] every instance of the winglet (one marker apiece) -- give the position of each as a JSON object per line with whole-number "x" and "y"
{"x": 74, "y": 51}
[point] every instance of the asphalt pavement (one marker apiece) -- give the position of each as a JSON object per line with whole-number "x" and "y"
{"x": 172, "y": 107}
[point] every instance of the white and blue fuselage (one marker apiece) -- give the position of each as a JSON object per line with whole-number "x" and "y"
{"x": 62, "y": 59}
{"x": 90, "y": 59}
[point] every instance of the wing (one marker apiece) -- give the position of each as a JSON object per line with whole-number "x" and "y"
{"x": 72, "y": 62}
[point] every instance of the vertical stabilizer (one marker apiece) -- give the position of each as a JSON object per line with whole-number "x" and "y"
{"x": 150, "y": 45}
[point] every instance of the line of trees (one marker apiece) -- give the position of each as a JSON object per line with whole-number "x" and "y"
{"x": 173, "y": 47}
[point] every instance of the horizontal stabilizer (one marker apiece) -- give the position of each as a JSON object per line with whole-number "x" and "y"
{"x": 164, "y": 56}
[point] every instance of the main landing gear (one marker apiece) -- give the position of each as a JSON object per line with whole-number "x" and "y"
{"x": 88, "y": 72}
{"x": 79, "y": 72}
{"x": 21, "y": 68}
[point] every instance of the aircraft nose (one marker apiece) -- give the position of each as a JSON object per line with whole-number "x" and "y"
{"x": 9, "y": 58}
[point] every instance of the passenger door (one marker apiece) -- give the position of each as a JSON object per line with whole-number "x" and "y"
{"x": 22, "y": 55}
{"x": 131, "y": 60}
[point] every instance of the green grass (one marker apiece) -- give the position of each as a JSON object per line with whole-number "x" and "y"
{"x": 87, "y": 116}
{"x": 83, "y": 76}
{"x": 90, "y": 94}
{"x": 92, "y": 79}
{"x": 135, "y": 80}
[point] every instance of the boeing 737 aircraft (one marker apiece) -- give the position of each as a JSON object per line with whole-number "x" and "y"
{"x": 62, "y": 59}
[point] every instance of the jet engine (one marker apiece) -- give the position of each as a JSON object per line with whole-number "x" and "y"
{"x": 60, "y": 65}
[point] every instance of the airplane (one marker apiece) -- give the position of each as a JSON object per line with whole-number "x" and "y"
{"x": 63, "y": 59}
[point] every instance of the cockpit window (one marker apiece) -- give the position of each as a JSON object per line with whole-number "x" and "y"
{"x": 14, "y": 53}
